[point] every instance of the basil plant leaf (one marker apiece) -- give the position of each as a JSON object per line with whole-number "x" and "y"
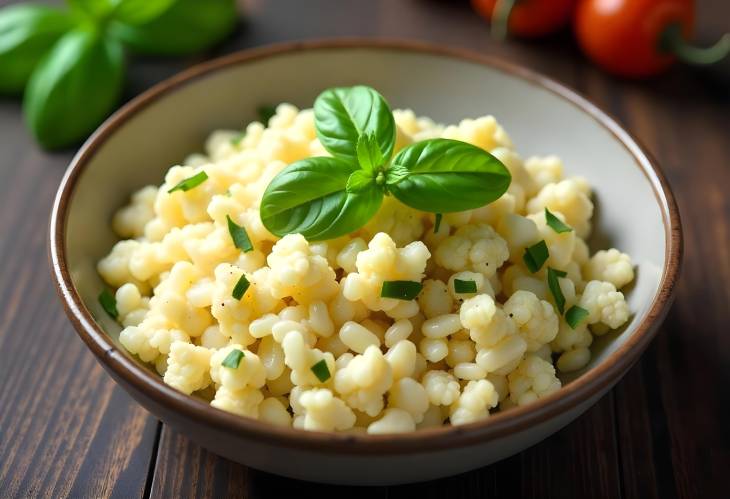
{"x": 444, "y": 175}
{"x": 27, "y": 33}
{"x": 368, "y": 153}
{"x": 186, "y": 27}
{"x": 74, "y": 88}
{"x": 310, "y": 197}
{"x": 137, "y": 12}
{"x": 95, "y": 10}
{"x": 342, "y": 115}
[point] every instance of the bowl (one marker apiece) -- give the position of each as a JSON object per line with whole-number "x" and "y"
{"x": 635, "y": 212}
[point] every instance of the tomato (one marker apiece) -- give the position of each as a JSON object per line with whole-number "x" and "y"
{"x": 640, "y": 38}
{"x": 525, "y": 18}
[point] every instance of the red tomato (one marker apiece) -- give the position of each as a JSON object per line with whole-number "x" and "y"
{"x": 527, "y": 18}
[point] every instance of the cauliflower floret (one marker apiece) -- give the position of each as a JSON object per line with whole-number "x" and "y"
{"x": 435, "y": 298}
{"x": 520, "y": 175}
{"x": 393, "y": 420}
{"x": 298, "y": 272}
{"x": 519, "y": 232}
{"x": 249, "y": 373}
{"x": 611, "y": 266}
{"x": 535, "y": 318}
{"x": 244, "y": 402}
{"x": 402, "y": 223}
{"x": 319, "y": 410}
{"x": 114, "y": 268}
{"x": 130, "y": 220}
{"x": 486, "y": 323}
{"x": 364, "y": 380}
{"x": 484, "y": 132}
{"x": 300, "y": 358}
{"x": 474, "y": 403}
{"x": 273, "y": 411}
{"x": 188, "y": 367}
{"x": 568, "y": 197}
{"x": 152, "y": 338}
{"x": 560, "y": 245}
{"x": 473, "y": 247}
{"x": 544, "y": 170}
{"x": 534, "y": 378}
{"x": 409, "y": 395}
{"x": 442, "y": 387}
{"x": 131, "y": 305}
{"x": 383, "y": 261}
{"x": 604, "y": 304}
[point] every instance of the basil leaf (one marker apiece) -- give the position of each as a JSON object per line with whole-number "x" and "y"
{"x": 575, "y": 315}
{"x": 401, "y": 290}
{"x": 321, "y": 370}
{"x": 241, "y": 287}
{"x": 554, "y": 285}
{"x": 462, "y": 287}
{"x": 239, "y": 236}
{"x": 233, "y": 359}
{"x": 27, "y": 33}
{"x": 342, "y": 115}
{"x": 359, "y": 180}
{"x": 188, "y": 26}
{"x": 437, "y": 223}
{"x": 535, "y": 256}
{"x": 189, "y": 183}
{"x": 137, "y": 12}
{"x": 109, "y": 303}
{"x": 444, "y": 175}
{"x": 555, "y": 223}
{"x": 74, "y": 87}
{"x": 368, "y": 153}
{"x": 310, "y": 197}
{"x": 94, "y": 10}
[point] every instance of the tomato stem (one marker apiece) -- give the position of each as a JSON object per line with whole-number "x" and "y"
{"x": 672, "y": 41}
{"x": 500, "y": 18}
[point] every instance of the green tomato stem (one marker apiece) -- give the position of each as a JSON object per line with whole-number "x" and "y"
{"x": 671, "y": 41}
{"x": 500, "y": 18}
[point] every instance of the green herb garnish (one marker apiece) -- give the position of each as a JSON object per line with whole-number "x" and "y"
{"x": 554, "y": 285}
{"x": 321, "y": 370}
{"x": 437, "y": 223}
{"x": 236, "y": 139}
{"x": 465, "y": 286}
{"x": 190, "y": 182}
{"x": 575, "y": 315}
{"x": 401, "y": 290}
{"x": 233, "y": 359}
{"x": 535, "y": 256}
{"x": 266, "y": 112}
{"x": 239, "y": 236}
{"x": 327, "y": 197}
{"x": 555, "y": 223}
{"x": 109, "y": 303}
{"x": 241, "y": 287}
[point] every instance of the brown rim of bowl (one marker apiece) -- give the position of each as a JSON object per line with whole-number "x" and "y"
{"x": 499, "y": 425}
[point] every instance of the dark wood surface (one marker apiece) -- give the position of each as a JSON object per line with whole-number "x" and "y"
{"x": 67, "y": 430}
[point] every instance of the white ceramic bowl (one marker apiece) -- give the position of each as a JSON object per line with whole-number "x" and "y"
{"x": 635, "y": 212}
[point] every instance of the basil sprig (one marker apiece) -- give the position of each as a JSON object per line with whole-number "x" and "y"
{"x": 327, "y": 197}
{"x": 71, "y": 62}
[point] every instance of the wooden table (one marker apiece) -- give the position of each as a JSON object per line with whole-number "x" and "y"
{"x": 67, "y": 430}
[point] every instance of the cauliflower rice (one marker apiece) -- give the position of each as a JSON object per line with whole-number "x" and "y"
{"x": 394, "y": 365}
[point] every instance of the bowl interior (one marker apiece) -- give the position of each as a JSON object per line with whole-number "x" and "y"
{"x": 139, "y": 149}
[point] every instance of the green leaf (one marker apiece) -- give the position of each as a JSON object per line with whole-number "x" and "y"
{"x": 444, "y": 175}
{"x": 27, "y": 33}
{"x": 190, "y": 182}
{"x": 575, "y": 315}
{"x": 187, "y": 27}
{"x": 93, "y": 10}
{"x": 368, "y": 153}
{"x": 437, "y": 223}
{"x": 554, "y": 285}
{"x": 321, "y": 370}
{"x": 137, "y": 12}
{"x": 233, "y": 359}
{"x": 241, "y": 287}
{"x": 342, "y": 115}
{"x": 401, "y": 290}
{"x": 462, "y": 287}
{"x": 359, "y": 180}
{"x": 265, "y": 113}
{"x": 535, "y": 256}
{"x": 75, "y": 86}
{"x": 555, "y": 223}
{"x": 108, "y": 303}
{"x": 239, "y": 236}
{"x": 310, "y": 197}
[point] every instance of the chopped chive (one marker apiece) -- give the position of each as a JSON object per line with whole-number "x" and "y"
{"x": 535, "y": 256}
{"x": 437, "y": 224}
{"x": 555, "y": 223}
{"x": 190, "y": 182}
{"x": 236, "y": 139}
{"x": 239, "y": 236}
{"x": 241, "y": 287}
{"x": 554, "y": 285}
{"x": 109, "y": 303}
{"x": 265, "y": 113}
{"x": 465, "y": 286}
{"x": 233, "y": 359}
{"x": 401, "y": 290}
{"x": 321, "y": 370}
{"x": 575, "y": 315}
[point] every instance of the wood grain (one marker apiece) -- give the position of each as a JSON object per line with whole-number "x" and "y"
{"x": 67, "y": 431}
